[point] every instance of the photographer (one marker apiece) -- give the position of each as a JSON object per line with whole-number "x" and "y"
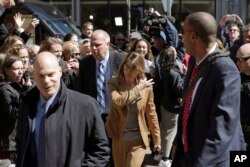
{"x": 230, "y": 33}
{"x": 164, "y": 34}
{"x": 155, "y": 23}
{"x": 70, "y": 63}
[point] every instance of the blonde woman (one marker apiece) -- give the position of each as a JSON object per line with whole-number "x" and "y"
{"x": 132, "y": 111}
{"x": 70, "y": 63}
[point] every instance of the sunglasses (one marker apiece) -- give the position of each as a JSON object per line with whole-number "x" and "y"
{"x": 243, "y": 59}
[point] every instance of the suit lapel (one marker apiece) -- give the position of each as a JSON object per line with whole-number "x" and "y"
{"x": 202, "y": 83}
{"x": 111, "y": 61}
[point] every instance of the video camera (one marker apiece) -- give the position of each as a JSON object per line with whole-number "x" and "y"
{"x": 154, "y": 21}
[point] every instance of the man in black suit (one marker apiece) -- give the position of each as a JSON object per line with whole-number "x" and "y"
{"x": 209, "y": 126}
{"x": 88, "y": 68}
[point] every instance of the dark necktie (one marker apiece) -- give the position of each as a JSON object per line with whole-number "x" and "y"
{"x": 101, "y": 87}
{"x": 186, "y": 111}
{"x": 40, "y": 125}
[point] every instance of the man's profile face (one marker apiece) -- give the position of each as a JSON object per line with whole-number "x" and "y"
{"x": 47, "y": 74}
{"x": 99, "y": 46}
{"x": 246, "y": 36}
{"x": 187, "y": 37}
{"x": 243, "y": 60}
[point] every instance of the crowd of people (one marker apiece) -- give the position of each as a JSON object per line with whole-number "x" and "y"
{"x": 103, "y": 99}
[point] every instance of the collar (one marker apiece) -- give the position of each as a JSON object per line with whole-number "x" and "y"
{"x": 103, "y": 61}
{"x": 51, "y": 102}
{"x": 32, "y": 98}
{"x": 209, "y": 52}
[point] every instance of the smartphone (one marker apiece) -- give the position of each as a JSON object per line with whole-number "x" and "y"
{"x": 26, "y": 75}
{"x": 231, "y": 17}
{"x": 35, "y": 15}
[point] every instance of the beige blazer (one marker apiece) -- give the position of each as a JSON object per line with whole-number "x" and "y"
{"x": 121, "y": 96}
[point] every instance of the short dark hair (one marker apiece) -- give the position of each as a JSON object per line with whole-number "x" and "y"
{"x": 87, "y": 23}
{"x": 204, "y": 25}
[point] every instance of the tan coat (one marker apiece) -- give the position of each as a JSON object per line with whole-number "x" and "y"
{"x": 121, "y": 96}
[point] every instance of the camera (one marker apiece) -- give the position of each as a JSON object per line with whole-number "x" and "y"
{"x": 154, "y": 21}
{"x": 35, "y": 15}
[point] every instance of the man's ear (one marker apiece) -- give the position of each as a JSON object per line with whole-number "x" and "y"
{"x": 60, "y": 71}
{"x": 193, "y": 36}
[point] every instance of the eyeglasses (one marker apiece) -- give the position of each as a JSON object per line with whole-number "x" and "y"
{"x": 243, "y": 59}
{"x": 233, "y": 30}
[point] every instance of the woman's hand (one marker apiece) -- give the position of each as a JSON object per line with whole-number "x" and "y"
{"x": 26, "y": 82}
{"x": 157, "y": 149}
{"x": 143, "y": 83}
{"x": 33, "y": 23}
{"x": 19, "y": 20}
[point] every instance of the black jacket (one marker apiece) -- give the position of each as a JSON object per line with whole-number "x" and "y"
{"x": 171, "y": 90}
{"x": 9, "y": 105}
{"x": 74, "y": 131}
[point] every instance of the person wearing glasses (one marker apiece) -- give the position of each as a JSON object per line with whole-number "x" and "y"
{"x": 243, "y": 63}
{"x": 230, "y": 33}
{"x": 70, "y": 63}
{"x": 120, "y": 42}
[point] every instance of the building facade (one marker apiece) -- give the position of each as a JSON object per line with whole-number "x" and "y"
{"x": 103, "y": 12}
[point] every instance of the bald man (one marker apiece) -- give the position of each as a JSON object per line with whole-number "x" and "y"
{"x": 209, "y": 125}
{"x": 89, "y": 69}
{"x": 57, "y": 126}
{"x": 243, "y": 62}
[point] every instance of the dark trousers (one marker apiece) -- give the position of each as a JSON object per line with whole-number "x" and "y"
{"x": 111, "y": 161}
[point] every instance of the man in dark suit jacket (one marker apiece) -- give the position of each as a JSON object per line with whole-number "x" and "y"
{"x": 209, "y": 126}
{"x": 243, "y": 62}
{"x": 101, "y": 52}
{"x": 58, "y": 127}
